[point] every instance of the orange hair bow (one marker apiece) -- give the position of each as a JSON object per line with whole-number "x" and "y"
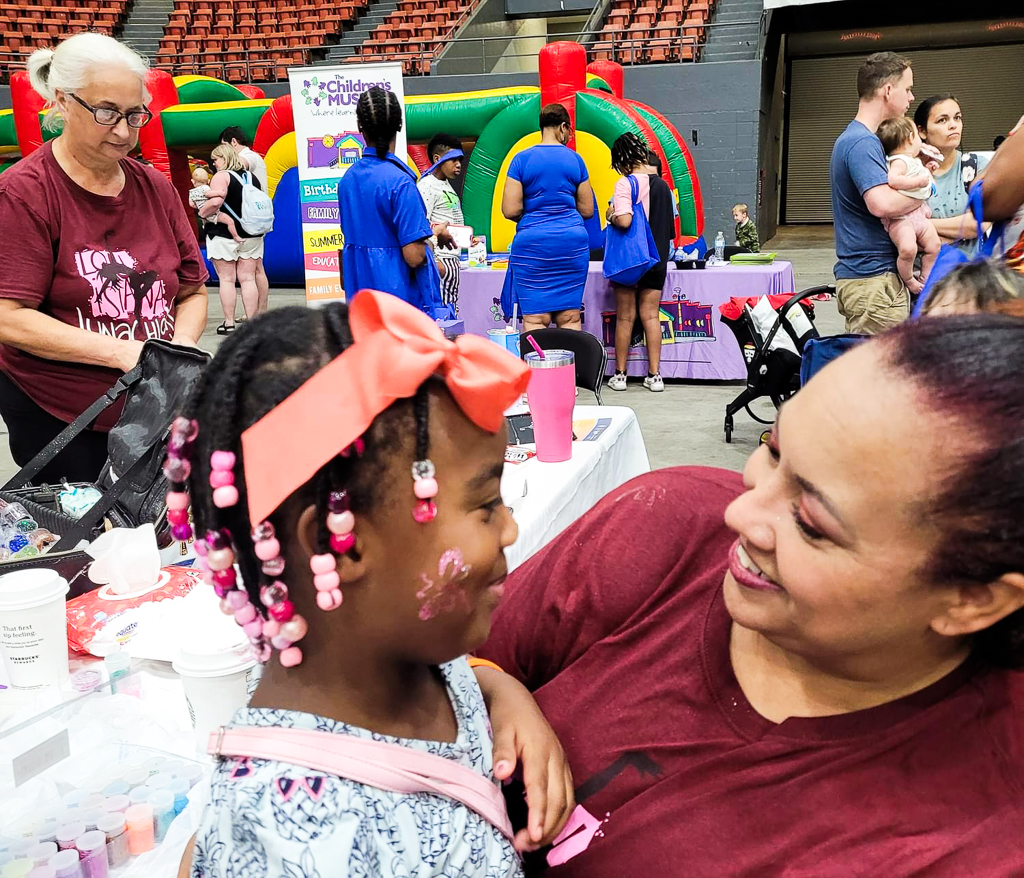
{"x": 396, "y": 349}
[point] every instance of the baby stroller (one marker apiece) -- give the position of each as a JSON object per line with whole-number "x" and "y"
{"x": 772, "y": 370}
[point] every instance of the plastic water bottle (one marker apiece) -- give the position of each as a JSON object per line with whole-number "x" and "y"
{"x": 719, "y": 248}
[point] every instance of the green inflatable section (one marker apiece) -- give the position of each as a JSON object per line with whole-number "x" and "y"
{"x": 188, "y": 126}
{"x": 595, "y": 81}
{"x": 680, "y": 172}
{"x": 459, "y": 115}
{"x": 496, "y": 140}
{"x": 603, "y": 119}
{"x": 7, "y": 135}
{"x": 606, "y": 122}
{"x": 208, "y": 91}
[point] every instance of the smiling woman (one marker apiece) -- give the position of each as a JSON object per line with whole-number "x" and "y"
{"x": 816, "y": 671}
{"x": 99, "y": 255}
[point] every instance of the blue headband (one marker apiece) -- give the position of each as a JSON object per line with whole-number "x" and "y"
{"x": 447, "y": 157}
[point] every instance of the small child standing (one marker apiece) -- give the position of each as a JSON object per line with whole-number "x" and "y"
{"x": 295, "y": 456}
{"x": 912, "y": 231}
{"x": 199, "y": 194}
{"x": 746, "y": 230}
{"x": 444, "y": 209}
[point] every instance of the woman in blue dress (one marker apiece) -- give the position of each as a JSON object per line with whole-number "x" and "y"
{"x": 548, "y": 194}
{"x": 383, "y": 218}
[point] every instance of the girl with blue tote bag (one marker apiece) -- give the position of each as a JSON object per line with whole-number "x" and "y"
{"x": 638, "y": 244}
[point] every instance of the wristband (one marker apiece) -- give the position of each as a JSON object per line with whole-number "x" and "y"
{"x": 475, "y": 662}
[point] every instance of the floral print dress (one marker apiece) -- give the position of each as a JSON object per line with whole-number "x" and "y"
{"x": 270, "y": 819}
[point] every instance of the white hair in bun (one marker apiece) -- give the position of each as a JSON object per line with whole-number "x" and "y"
{"x": 73, "y": 64}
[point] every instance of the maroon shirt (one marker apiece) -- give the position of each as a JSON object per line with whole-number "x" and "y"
{"x": 619, "y": 628}
{"x": 111, "y": 265}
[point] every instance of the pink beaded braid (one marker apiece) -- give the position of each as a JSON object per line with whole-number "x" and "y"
{"x": 285, "y": 627}
{"x": 424, "y": 486}
{"x": 177, "y": 469}
{"x": 340, "y": 523}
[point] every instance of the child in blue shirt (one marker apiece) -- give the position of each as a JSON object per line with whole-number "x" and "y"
{"x": 383, "y": 219}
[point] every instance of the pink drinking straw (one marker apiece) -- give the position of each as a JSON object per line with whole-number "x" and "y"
{"x": 536, "y": 347}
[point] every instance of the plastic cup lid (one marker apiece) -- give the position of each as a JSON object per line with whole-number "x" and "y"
{"x": 552, "y": 359}
{"x": 91, "y": 841}
{"x": 70, "y": 831}
{"x": 195, "y": 660}
{"x": 111, "y": 823}
{"x": 42, "y": 851}
{"x": 162, "y": 800}
{"x": 26, "y": 589}
{"x": 117, "y": 803}
{"x": 139, "y": 814}
{"x": 64, "y": 859}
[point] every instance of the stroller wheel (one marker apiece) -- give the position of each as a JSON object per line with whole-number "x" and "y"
{"x": 728, "y": 428}
{"x": 765, "y": 436}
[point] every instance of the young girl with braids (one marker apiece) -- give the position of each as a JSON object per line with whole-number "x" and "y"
{"x": 342, "y": 466}
{"x": 383, "y": 218}
{"x": 630, "y": 157}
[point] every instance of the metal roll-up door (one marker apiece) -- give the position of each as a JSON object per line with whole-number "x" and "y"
{"x": 823, "y": 99}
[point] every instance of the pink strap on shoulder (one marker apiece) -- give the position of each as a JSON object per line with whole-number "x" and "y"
{"x": 374, "y": 763}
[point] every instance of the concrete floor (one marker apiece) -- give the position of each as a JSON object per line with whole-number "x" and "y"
{"x": 683, "y": 425}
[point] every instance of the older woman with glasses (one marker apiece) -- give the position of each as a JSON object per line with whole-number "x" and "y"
{"x": 99, "y": 255}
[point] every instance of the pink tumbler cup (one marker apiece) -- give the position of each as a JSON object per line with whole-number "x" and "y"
{"x": 552, "y": 394}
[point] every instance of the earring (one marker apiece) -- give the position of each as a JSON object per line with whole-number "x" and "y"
{"x": 285, "y": 627}
{"x": 424, "y": 486}
{"x": 177, "y": 470}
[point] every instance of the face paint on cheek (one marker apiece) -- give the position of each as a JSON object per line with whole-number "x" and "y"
{"x": 447, "y": 592}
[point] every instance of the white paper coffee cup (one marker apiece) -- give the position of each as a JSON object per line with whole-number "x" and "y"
{"x": 217, "y": 683}
{"x": 34, "y": 628}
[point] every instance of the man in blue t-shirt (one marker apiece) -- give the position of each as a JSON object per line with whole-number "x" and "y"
{"x": 871, "y": 295}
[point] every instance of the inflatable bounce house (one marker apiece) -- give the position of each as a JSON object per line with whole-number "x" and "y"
{"x": 494, "y": 125}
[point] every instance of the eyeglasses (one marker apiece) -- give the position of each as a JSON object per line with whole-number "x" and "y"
{"x": 109, "y": 117}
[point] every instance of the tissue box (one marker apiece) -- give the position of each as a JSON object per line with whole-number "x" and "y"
{"x": 90, "y": 614}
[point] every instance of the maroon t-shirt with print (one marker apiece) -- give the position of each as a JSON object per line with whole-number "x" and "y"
{"x": 619, "y": 628}
{"x": 111, "y": 265}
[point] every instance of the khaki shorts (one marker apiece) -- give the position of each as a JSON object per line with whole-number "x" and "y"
{"x": 873, "y": 304}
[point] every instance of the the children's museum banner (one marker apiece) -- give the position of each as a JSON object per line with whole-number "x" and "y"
{"x": 328, "y": 143}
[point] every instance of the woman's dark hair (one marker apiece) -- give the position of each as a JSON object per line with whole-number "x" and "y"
{"x": 654, "y": 160}
{"x": 554, "y": 115}
{"x": 379, "y": 117}
{"x": 233, "y": 132}
{"x": 628, "y": 151}
{"x": 970, "y": 369}
{"x": 982, "y": 284}
{"x": 924, "y": 109}
{"x": 257, "y": 368}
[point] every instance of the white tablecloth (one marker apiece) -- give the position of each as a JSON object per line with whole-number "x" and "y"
{"x": 547, "y": 497}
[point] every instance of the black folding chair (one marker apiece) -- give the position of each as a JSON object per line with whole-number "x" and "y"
{"x": 590, "y": 356}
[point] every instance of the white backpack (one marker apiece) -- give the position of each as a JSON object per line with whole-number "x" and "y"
{"x": 257, "y": 217}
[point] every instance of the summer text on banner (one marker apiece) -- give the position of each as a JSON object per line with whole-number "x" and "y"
{"x": 328, "y": 143}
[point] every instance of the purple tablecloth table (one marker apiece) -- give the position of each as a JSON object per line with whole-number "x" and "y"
{"x": 695, "y": 343}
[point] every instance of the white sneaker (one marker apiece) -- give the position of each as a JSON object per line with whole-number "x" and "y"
{"x": 654, "y": 383}
{"x": 617, "y": 381}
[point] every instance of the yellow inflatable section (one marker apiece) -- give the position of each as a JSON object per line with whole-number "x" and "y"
{"x": 594, "y": 153}
{"x": 279, "y": 158}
